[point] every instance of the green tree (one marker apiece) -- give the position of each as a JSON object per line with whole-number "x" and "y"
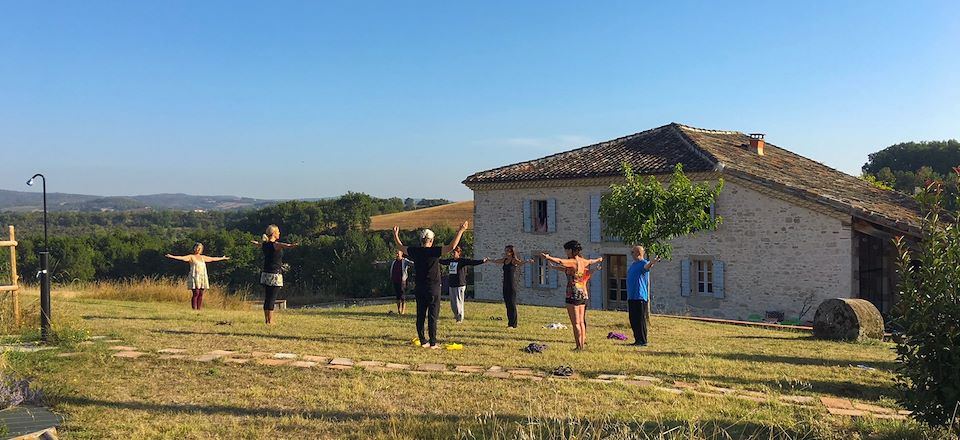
{"x": 642, "y": 211}
{"x": 928, "y": 311}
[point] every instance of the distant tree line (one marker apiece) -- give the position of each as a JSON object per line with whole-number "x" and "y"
{"x": 336, "y": 256}
{"x": 911, "y": 166}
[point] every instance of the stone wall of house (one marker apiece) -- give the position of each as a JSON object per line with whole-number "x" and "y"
{"x": 777, "y": 255}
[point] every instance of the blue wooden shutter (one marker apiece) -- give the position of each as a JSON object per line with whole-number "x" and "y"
{"x": 526, "y": 216}
{"x": 551, "y": 215}
{"x": 596, "y": 288}
{"x": 527, "y": 272}
{"x": 718, "y": 279}
{"x": 595, "y": 218}
{"x": 685, "y": 277}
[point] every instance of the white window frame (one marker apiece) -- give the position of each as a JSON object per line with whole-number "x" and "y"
{"x": 535, "y": 210}
{"x": 702, "y": 276}
{"x": 541, "y": 273}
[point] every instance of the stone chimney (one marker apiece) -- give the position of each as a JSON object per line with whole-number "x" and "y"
{"x": 756, "y": 143}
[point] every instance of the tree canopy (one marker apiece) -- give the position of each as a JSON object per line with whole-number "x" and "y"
{"x": 642, "y": 211}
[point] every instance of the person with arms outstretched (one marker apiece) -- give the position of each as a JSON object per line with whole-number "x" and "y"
{"x": 197, "y": 280}
{"x": 509, "y": 263}
{"x": 399, "y": 270}
{"x": 577, "y": 293}
{"x": 271, "y": 278}
{"x": 457, "y": 280}
{"x": 426, "y": 260}
{"x": 638, "y": 288}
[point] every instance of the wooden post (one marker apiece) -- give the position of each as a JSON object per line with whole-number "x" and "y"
{"x": 14, "y": 279}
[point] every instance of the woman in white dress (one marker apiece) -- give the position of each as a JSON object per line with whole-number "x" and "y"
{"x": 197, "y": 280}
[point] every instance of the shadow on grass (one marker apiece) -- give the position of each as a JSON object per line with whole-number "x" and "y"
{"x": 499, "y": 426}
{"x": 798, "y": 338}
{"x": 130, "y": 318}
{"x": 330, "y": 339}
{"x": 824, "y": 387}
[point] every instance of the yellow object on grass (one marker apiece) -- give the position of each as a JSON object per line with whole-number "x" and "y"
{"x": 416, "y": 342}
{"x": 454, "y": 346}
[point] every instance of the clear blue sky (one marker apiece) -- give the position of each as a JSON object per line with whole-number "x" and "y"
{"x": 312, "y": 99}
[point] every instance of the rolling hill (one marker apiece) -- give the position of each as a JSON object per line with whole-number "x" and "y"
{"x": 451, "y": 215}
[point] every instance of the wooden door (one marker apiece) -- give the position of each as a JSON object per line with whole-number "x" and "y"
{"x": 616, "y": 281}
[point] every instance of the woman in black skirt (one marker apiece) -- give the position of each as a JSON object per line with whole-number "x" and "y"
{"x": 510, "y": 263}
{"x": 272, "y": 276}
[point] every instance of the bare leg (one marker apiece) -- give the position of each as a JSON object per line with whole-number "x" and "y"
{"x": 581, "y": 316}
{"x": 572, "y": 312}
{"x": 268, "y": 316}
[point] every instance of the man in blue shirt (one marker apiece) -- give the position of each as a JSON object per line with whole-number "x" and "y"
{"x": 638, "y": 284}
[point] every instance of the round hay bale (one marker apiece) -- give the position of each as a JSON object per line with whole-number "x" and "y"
{"x": 845, "y": 319}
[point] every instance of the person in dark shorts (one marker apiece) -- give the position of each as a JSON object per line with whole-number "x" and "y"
{"x": 510, "y": 263}
{"x": 271, "y": 278}
{"x": 399, "y": 269}
{"x": 426, "y": 260}
{"x": 457, "y": 280}
{"x": 577, "y": 293}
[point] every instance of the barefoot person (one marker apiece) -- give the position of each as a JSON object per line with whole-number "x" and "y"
{"x": 272, "y": 276}
{"x": 197, "y": 280}
{"x": 510, "y": 263}
{"x": 399, "y": 269}
{"x": 457, "y": 279}
{"x": 577, "y": 294}
{"x": 638, "y": 284}
{"x": 426, "y": 259}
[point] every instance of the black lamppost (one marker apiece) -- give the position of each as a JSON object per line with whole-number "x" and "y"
{"x": 44, "y": 268}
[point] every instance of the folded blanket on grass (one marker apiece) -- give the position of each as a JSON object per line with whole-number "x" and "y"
{"x": 615, "y": 335}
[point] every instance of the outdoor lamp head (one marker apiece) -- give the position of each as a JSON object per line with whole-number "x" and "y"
{"x": 30, "y": 182}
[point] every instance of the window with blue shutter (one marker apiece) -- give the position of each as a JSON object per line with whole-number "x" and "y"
{"x": 553, "y": 275}
{"x": 595, "y": 229}
{"x": 527, "y": 220}
{"x": 595, "y": 288}
{"x": 551, "y": 216}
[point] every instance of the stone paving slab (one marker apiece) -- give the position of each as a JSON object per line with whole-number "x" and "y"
{"x": 846, "y": 412}
{"x": 873, "y": 408}
{"x": 317, "y": 359}
{"x": 273, "y": 362}
{"x": 111, "y": 341}
{"x": 749, "y": 397}
{"x": 904, "y": 412}
{"x": 368, "y": 364}
{"x": 647, "y": 378}
{"x": 285, "y": 356}
{"x": 525, "y": 371}
{"x": 222, "y": 353}
{"x": 456, "y": 373}
{"x": 97, "y": 337}
{"x": 346, "y": 362}
{"x": 130, "y": 354}
{"x": 638, "y": 383}
{"x": 303, "y": 364}
{"x": 230, "y": 360}
{"x": 172, "y": 356}
{"x": 599, "y": 381}
{"x": 575, "y": 376}
{"x": 420, "y": 373}
{"x": 340, "y": 367}
{"x": 68, "y": 354}
{"x": 495, "y": 368}
{"x": 171, "y": 350}
{"x": 526, "y": 377}
{"x": 393, "y": 366}
{"x": 469, "y": 369}
{"x": 432, "y": 367}
{"x": 497, "y": 374}
{"x": 380, "y": 369}
{"x": 122, "y": 348}
{"x": 206, "y": 358}
{"x": 721, "y": 389}
{"x": 261, "y": 354}
{"x": 832, "y": 402}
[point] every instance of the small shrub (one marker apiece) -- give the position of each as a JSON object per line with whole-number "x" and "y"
{"x": 929, "y": 314}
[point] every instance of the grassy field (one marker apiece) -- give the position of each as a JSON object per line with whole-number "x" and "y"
{"x": 452, "y": 215}
{"x": 107, "y": 397}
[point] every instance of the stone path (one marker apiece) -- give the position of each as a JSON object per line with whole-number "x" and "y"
{"x": 833, "y": 406}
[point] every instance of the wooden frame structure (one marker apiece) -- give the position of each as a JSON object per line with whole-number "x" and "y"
{"x": 14, "y": 286}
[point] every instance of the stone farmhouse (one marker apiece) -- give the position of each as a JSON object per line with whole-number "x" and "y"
{"x": 795, "y": 232}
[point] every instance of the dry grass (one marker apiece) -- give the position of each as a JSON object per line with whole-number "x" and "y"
{"x": 106, "y": 397}
{"x": 451, "y": 215}
{"x": 151, "y": 289}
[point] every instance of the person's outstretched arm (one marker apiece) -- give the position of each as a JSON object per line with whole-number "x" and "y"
{"x": 456, "y": 239}
{"x": 283, "y": 245}
{"x": 207, "y": 259}
{"x": 466, "y": 262}
{"x": 595, "y": 261}
{"x": 565, "y": 262}
{"x": 396, "y": 240}
{"x": 651, "y": 263}
{"x": 178, "y": 257}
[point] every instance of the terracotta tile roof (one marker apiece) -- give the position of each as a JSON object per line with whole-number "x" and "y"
{"x": 657, "y": 150}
